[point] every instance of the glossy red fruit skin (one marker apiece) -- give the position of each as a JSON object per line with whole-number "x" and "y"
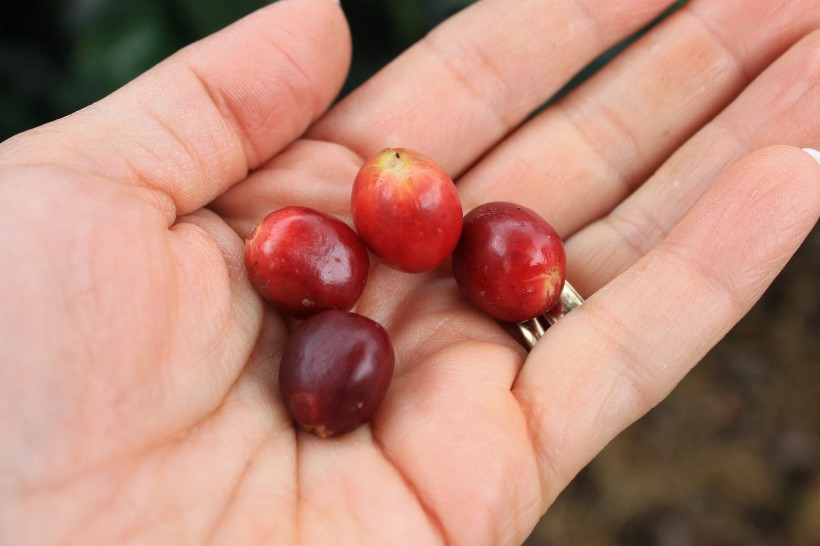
{"x": 336, "y": 368}
{"x": 406, "y": 209}
{"x": 304, "y": 261}
{"x": 510, "y": 263}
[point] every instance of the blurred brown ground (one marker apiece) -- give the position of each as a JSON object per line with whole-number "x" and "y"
{"x": 732, "y": 456}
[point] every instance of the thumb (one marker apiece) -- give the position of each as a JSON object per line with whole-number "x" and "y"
{"x": 196, "y": 123}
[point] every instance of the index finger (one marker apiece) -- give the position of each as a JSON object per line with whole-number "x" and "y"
{"x": 478, "y": 75}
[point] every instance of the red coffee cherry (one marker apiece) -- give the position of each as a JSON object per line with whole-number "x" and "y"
{"x": 510, "y": 262}
{"x": 406, "y": 210}
{"x": 303, "y": 262}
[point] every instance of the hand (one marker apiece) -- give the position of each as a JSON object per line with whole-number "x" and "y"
{"x": 138, "y": 397}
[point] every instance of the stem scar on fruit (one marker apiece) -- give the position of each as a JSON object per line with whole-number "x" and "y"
{"x": 406, "y": 209}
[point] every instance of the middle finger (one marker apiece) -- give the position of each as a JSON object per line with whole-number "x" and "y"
{"x": 578, "y": 159}
{"x": 478, "y": 75}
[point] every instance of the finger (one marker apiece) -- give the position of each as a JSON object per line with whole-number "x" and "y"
{"x": 615, "y": 357}
{"x": 779, "y": 107}
{"x": 478, "y": 75}
{"x": 193, "y": 126}
{"x": 310, "y": 173}
{"x": 581, "y": 157}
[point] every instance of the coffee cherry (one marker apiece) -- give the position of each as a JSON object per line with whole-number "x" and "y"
{"x": 335, "y": 371}
{"x": 510, "y": 262}
{"x": 303, "y": 262}
{"x": 406, "y": 209}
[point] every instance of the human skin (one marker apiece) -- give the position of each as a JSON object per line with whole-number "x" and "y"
{"x": 138, "y": 396}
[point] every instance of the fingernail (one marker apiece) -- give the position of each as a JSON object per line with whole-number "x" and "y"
{"x": 814, "y": 153}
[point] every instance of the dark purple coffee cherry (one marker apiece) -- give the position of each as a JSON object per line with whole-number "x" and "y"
{"x": 335, "y": 371}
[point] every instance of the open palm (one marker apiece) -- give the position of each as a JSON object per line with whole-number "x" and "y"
{"x": 138, "y": 396}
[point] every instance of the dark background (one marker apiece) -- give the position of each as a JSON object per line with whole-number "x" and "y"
{"x": 730, "y": 458}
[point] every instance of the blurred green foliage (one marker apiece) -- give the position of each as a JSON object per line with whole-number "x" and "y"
{"x": 57, "y": 56}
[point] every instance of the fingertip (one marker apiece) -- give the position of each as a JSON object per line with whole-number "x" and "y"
{"x": 792, "y": 171}
{"x": 813, "y": 153}
{"x": 202, "y": 238}
{"x": 777, "y": 185}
